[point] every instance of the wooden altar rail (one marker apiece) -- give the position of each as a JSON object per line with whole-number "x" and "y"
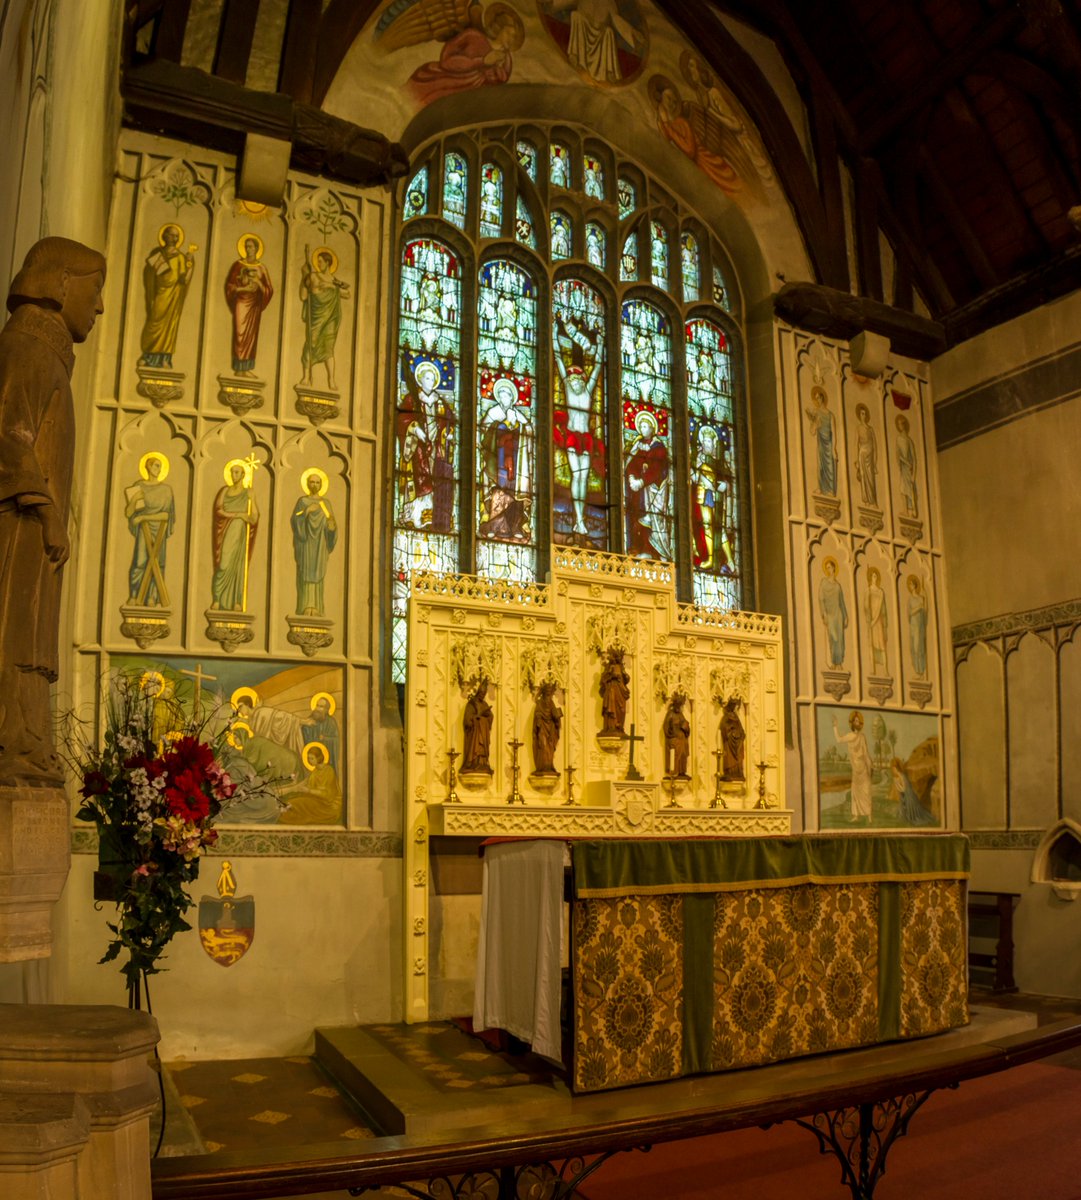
{"x": 854, "y": 1103}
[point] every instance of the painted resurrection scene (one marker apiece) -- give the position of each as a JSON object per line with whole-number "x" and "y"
{"x": 878, "y": 770}
{"x": 284, "y": 730}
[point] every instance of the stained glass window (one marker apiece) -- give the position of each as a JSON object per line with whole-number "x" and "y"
{"x": 658, "y": 246}
{"x": 628, "y": 197}
{"x": 426, "y": 427}
{"x": 559, "y": 169}
{"x": 720, "y": 291}
{"x": 455, "y": 183}
{"x": 416, "y": 195}
{"x": 506, "y": 426}
{"x": 688, "y": 250}
{"x": 646, "y": 351}
{"x": 579, "y": 417}
{"x": 561, "y": 235}
{"x": 523, "y": 225}
{"x": 491, "y": 201}
{"x": 628, "y": 260}
{"x": 594, "y": 176}
{"x": 527, "y": 156}
{"x": 714, "y": 507}
{"x": 617, "y": 405}
{"x": 596, "y": 244}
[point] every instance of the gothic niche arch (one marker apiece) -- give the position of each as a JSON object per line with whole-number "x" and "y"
{"x": 566, "y": 370}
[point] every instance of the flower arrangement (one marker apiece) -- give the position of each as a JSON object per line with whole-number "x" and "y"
{"x": 153, "y": 789}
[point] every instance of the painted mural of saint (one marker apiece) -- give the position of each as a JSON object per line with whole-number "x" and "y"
{"x": 906, "y": 465}
{"x": 233, "y": 527}
{"x": 167, "y": 275}
{"x": 315, "y": 534}
{"x": 248, "y": 290}
{"x": 917, "y": 625}
{"x": 859, "y": 758}
{"x": 321, "y": 296}
{"x": 318, "y": 801}
{"x": 822, "y": 427}
{"x": 151, "y": 514}
{"x": 877, "y": 620}
{"x": 866, "y": 457}
{"x": 833, "y": 612}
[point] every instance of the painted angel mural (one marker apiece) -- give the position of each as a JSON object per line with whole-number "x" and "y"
{"x": 478, "y": 43}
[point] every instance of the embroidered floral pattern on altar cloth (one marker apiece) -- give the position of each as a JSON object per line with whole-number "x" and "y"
{"x": 933, "y": 954}
{"x": 795, "y": 971}
{"x": 628, "y": 1011}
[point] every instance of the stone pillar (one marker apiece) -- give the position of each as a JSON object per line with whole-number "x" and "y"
{"x": 41, "y": 1138}
{"x": 97, "y": 1056}
{"x": 35, "y": 853}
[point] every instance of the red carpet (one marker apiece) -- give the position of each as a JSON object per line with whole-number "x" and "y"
{"x": 1005, "y": 1137}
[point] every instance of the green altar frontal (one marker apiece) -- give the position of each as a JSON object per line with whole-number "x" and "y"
{"x": 700, "y": 956}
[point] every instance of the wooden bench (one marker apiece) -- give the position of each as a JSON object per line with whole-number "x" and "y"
{"x": 990, "y": 918}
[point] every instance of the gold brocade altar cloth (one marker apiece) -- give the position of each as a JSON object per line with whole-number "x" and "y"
{"x": 692, "y": 957}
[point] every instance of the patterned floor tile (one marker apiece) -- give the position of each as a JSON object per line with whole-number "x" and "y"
{"x": 270, "y": 1117}
{"x": 248, "y": 1078}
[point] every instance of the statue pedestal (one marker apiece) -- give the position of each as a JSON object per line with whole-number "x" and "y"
{"x": 317, "y": 406}
{"x": 229, "y": 629}
{"x": 79, "y": 1078}
{"x": 159, "y": 386}
{"x": 911, "y": 528}
{"x": 544, "y": 782}
{"x": 35, "y": 853}
{"x": 836, "y": 682}
{"x": 826, "y": 507}
{"x": 880, "y": 687}
{"x": 311, "y": 634}
{"x": 920, "y": 692}
{"x": 869, "y": 518}
{"x": 144, "y": 625}
{"x": 240, "y": 395}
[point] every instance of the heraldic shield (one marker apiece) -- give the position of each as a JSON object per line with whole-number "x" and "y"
{"x": 227, "y": 921}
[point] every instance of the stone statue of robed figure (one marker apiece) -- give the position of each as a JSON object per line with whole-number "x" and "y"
{"x": 54, "y": 301}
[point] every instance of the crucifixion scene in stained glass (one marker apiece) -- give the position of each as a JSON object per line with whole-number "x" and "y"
{"x": 541, "y": 335}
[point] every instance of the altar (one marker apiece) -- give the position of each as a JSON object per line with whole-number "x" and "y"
{"x": 694, "y": 957}
{"x": 592, "y": 706}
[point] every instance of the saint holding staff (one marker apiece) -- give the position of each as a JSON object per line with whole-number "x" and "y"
{"x": 234, "y": 523}
{"x": 151, "y": 513}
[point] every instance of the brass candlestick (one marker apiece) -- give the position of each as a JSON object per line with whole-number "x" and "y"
{"x": 570, "y": 785}
{"x": 515, "y": 796}
{"x": 718, "y": 799}
{"x": 761, "y": 785}
{"x": 670, "y": 780}
{"x": 452, "y": 778}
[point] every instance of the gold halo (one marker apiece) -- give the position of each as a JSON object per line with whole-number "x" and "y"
{"x": 145, "y": 474}
{"x": 227, "y": 473}
{"x": 149, "y": 677}
{"x": 232, "y": 739}
{"x": 328, "y": 698}
{"x": 242, "y": 251}
{"x": 170, "y": 225}
{"x": 308, "y": 472}
{"x": 325, "y": 250}
{"x": 242, "y": 693}
{"x": 312, "y": 746}
{"x": 830, "y": 559}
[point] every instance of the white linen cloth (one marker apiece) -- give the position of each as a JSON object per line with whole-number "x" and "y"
{"x": 520, "y": 949}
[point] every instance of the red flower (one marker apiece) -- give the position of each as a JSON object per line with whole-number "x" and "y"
{"x": 94, "y": 784}
{"x": 186, "y": 801}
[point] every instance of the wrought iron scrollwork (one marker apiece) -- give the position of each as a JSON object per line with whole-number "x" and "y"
{"x": 860, "y": 1137}
{"x": 531, "y": 1181}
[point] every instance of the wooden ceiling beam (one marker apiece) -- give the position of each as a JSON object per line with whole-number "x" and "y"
{"x": 944, "y": 200}
{"x": 944, "y": 74}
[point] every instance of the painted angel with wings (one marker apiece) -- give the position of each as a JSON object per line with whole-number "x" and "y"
{"x": 477, "y": 43}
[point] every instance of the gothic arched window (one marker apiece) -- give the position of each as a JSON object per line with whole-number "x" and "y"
{"x": 565, "y": 370}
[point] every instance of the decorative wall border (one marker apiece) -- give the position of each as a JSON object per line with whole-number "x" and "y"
{"x": 1004, "y": 839}
{"x": 282, "y": 843}
{"x": 1067, "y": 612}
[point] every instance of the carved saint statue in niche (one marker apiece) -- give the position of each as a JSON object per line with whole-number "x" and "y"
{"x": 248, "y": 291}
{"x": 547, "y": 720}
{"x": 733, "y": 741}
{"x": 615, "y": 692}
{"x": 677, "y": 733}
{"x": 167, "y": 275}
{"x": 151, "y": 513}
{"x": 54, "y": 301}
{"x": 477, "y": 731}
{"x": 315, "y": 534}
